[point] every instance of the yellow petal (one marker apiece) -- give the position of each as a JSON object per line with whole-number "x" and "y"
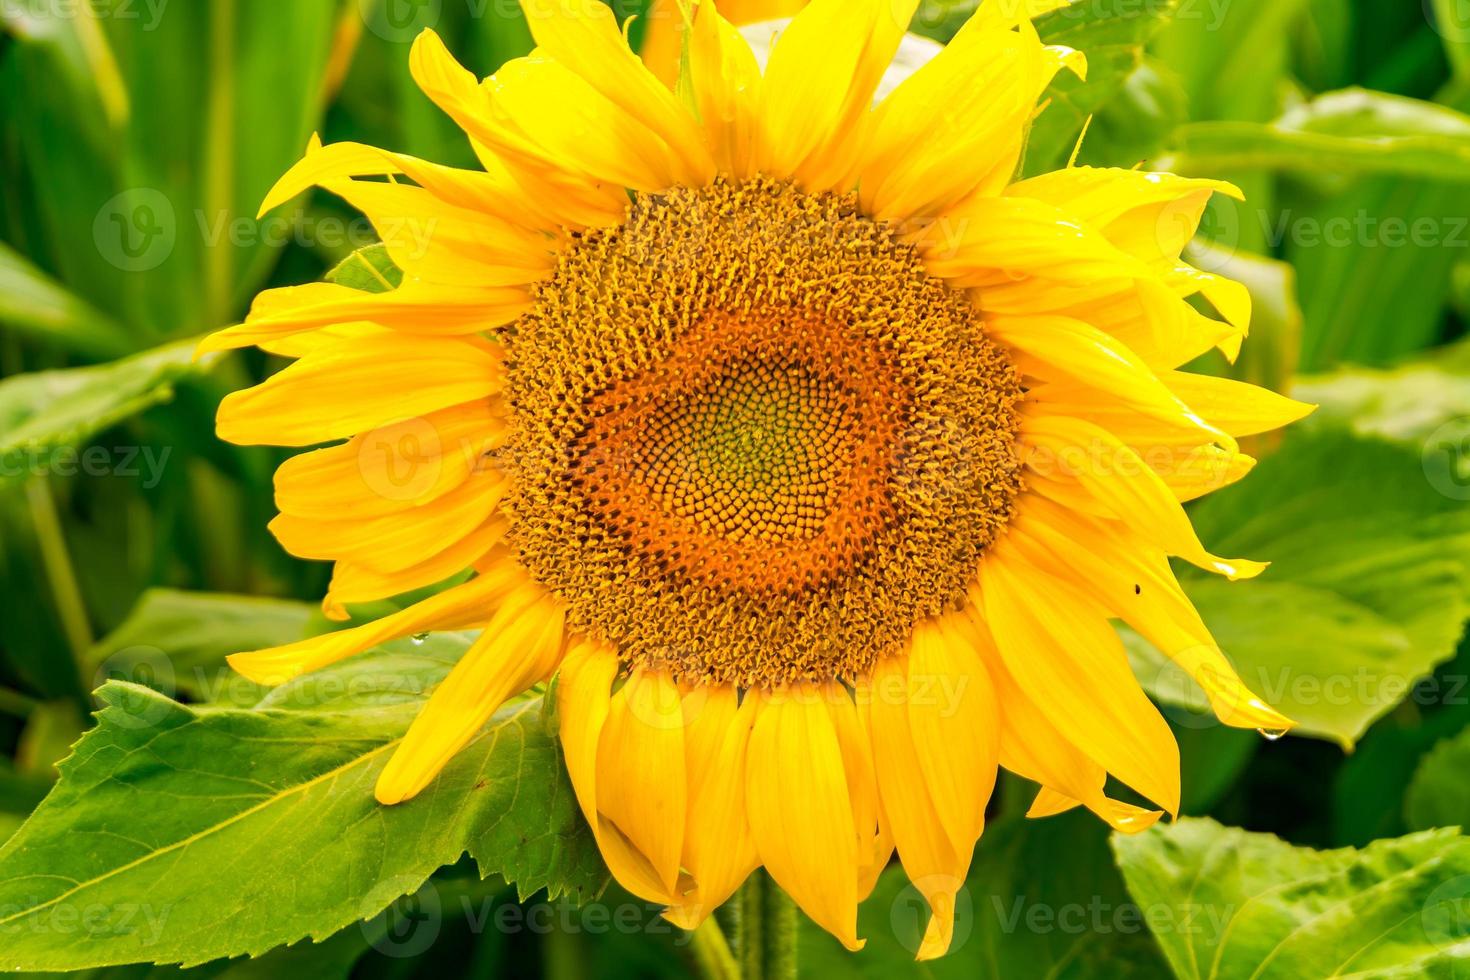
{"x": 1064, "y": 654}
{"x": 520, "y": 647}
{"x": 874, "y": 842}
{"x": 445, "y": 244}
{"x": 1240, "y": 409}
{"x": 1062, "y": 347}
{"x": 353, "y": 582}
{"x": 1116, "y": 477}
{"x": 350, "y": 386}
{"x": 583, "y": 35}
{"x": 1031, "y": 747}
{"x": 955, "y": 720}
{"x": 954, "y": 128}
{"x": 398, "y": 540}
{"x": 578, "y": 200}
{"x": 931, "y": 861}
{"x": 1134, "y": 583}
{"x": 994, "y": 241}
{"x": 719, "y": 851}
{"x": 819, "y": 83}
{"x": 392, "y": 468}
{"x": 799, "y": 810}
{"x": 584, "y": 696}
{"x": 493, "y": 194}
{"x": 640, "y": 771}
{"x": 464, "y": 605}
{"x": 415, "y": 307}
{"x": 726, "y": 85}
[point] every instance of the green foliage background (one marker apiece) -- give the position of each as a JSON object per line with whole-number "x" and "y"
{"x": 197, "y": 820}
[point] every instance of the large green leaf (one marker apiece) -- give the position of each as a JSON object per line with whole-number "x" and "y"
{"x": 32, "y": 301}
{"x": 1368, "y": 589}
{"x": 1352, "y": 132}
{"x": 1439, "y": 794}
{"x": 46, "y": 412}
{"x": 1112, "y": 33}
{"x": 1243, "y": 906}
{"x": 1043, "y": 898}
{"x": 183, "y": 835}
{"x": 1409, "y": 403}
{"x": 176, "y": 642}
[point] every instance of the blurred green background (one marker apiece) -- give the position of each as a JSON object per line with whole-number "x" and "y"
{"x": 137, "y": 138}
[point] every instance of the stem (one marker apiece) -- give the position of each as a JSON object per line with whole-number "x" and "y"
{"x": 752, "y": 899}
{"x": 712, "y": 954}
{"x": 768, "y": 921}
{"x": 780, "y": 933}
{"x": 15, "y": 703}
{"x": 60, "y": 574}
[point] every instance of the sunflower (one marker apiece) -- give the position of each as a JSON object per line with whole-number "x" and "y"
{"x": 811, "y": 451}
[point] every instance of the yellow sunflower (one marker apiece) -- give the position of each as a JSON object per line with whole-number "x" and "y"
{"x": 812, "y": 450}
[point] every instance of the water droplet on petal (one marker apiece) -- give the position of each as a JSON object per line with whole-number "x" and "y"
{"x": 419, "y": 638}
{"x": 1271, "y": 734}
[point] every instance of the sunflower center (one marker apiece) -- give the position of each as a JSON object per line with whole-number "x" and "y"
{"x": 755, "y": 441}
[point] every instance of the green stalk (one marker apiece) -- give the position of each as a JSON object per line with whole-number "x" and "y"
{"x": 16, "y": 703}
{"x": 768, "y": 920}
{"x": 779, "y": 931}
{"x": 60, "y": 574}
{"x": 712, "y": 956}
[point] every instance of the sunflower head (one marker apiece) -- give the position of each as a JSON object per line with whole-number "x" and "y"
{"x": 814, "y": 451}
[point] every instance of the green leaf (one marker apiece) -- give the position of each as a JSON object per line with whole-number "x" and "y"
{"x": 1240, "y": 906}
{"x": 151, "y": 133}
{"x": 32, "y": 301}
{"x": 1339, "y": 134}
{"x": 1043, "y": 898}
{"x": 183, "y": 835}
{"x": 1112, "y": 33}
{"x": 1368, "y": 589}
{"x": 44, "y": 412}
{"x": 1138, "y": 122}
{"x": 176, "y": 642}
{"x": 1375, "y": 262}
{"x": 1439, "y": 794}
{"x": 1406, "y": 404}
{"x": 1230, "y": 58}
{"x": 369, "y": 269}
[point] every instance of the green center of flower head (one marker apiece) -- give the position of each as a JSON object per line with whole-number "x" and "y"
{"x": 754, "y": 453}
{"x": 754, "y": 440}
